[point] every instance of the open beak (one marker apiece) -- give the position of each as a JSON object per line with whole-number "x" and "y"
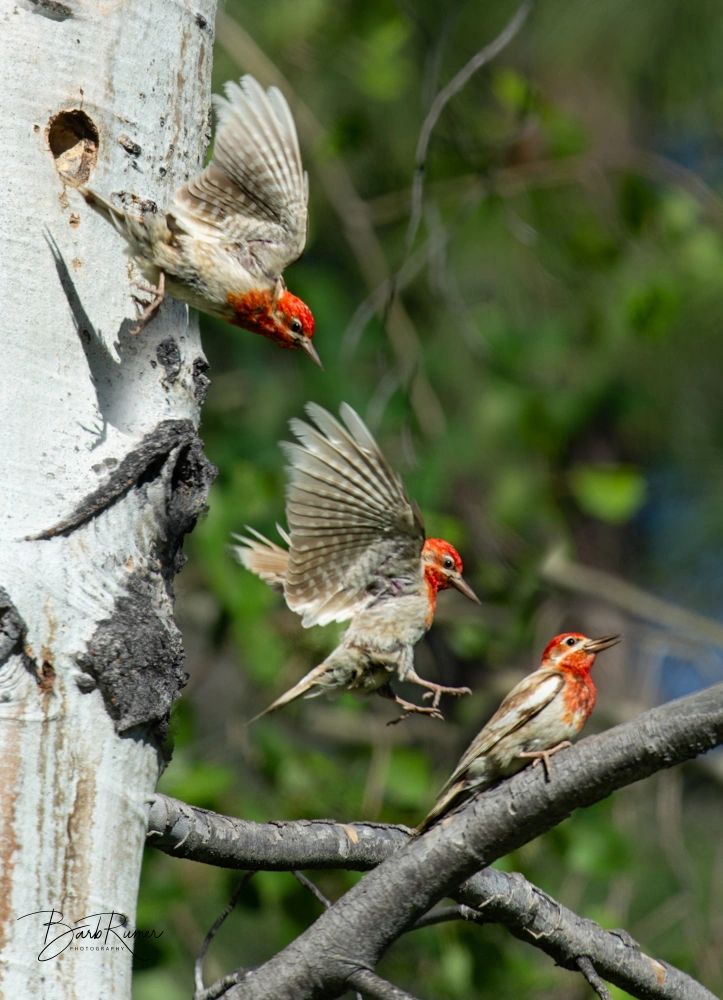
{"x": 597, "y": 645}
{"x": 309, "y": 349}
{"x": 460, "y": 584}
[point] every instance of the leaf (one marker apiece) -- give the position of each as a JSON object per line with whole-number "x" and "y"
{"x": 611, "y": 493}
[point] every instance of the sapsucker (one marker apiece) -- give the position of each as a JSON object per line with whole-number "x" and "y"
{"x": 356, "y": 552}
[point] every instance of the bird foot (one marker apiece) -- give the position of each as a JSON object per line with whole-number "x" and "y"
{"x": 409, "y": 708}
{"x": 438, "y": 690}
{"x": 149, "y": 309}
{"x": 543, "y": 756}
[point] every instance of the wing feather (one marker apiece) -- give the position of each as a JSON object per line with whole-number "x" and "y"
{"x": 353, "y": 529}
{"x": 254, "y": 193}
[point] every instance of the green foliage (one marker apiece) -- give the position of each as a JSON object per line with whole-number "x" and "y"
{"x": 557, "y": 382}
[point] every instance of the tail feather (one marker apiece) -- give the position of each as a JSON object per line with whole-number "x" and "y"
{"x": 109, "y": 211}
{"x": 454, "y": 796}
{"x": 263, "y": 557}
{"x": 303, "y": 689}
{"x": 141, "y": 231}
{"x": 456, "y": 793}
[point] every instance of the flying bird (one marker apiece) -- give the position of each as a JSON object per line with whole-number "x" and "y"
{"x": 355, "y": 551}
{"x": 538, "y": 717}
{"x": 223, "y": 244}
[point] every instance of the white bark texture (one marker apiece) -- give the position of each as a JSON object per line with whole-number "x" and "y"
{"x": 101, "y": 470}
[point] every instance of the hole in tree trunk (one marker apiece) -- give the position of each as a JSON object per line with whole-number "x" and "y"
{"x": 73, "y": 141}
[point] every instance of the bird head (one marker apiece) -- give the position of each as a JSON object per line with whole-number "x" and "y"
{"x": 278, "y": 315}
{"x": 443, "y": 568}
{"x": 294, "y": 325}
{"x": 574, "y": 651}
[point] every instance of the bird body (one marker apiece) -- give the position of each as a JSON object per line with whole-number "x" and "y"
{"x": 357, "y": 553}
{"x": 538, "y": 717}
{"x": 224, "y": 242}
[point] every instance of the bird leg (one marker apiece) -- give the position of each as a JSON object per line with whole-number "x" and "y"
{"x": 435, "y": 691}
{"x": 544, "y": 755}
{"x": 409, "y": 708}
{"x": 149, "y": 310}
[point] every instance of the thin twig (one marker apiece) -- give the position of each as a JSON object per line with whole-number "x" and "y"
{"x": 458, "y": 81}
{"x": 372, "y": 985}
{"x": 215, "y": 927}
{"x": 444, "y": 916}
{"x": 588, "y": 970}
{"x": 313, "y": 888}
{"x": 635, "y": 601}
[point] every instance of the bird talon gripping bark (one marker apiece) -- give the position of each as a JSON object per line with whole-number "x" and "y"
{"x": 356, "y": 552}
{"x": 543, "y": 756}
{"x": 149, "y": 309}
{"x": 228, "y": 235}
{"x": 535, "y": 720}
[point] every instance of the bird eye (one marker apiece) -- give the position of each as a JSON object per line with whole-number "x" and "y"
{"x": 571, "y": 641}
{"x": 296, "y": 326}
{"x": 448, "y": 562}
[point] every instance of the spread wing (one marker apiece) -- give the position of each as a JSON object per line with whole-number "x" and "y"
{"x": 526, "y": 700}
{"x": 354, "y": 532}
{"x": 254, "y": 193}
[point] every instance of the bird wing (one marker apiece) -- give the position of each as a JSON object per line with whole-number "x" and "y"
{"x": 254, "y": 193}
{"x": 526, "y": 700}
{"x": 355, "y": 535}
{"x": 263, "y": 557}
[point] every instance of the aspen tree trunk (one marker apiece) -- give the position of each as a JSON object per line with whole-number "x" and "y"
{"x": 101, "y": 472}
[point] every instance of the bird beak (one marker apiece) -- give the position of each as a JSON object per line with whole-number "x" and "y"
{"x": 460, "y": 584}
{"x": 308, "y": 348}
{"x": 597, "y": 645}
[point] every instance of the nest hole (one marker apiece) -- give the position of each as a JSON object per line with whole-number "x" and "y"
{"x": 73, "y": 140}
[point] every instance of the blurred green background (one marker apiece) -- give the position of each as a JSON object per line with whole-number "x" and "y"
{"x": 548, "y": 381}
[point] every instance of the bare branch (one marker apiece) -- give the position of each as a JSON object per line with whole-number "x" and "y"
{"x": 313, "y": 888}
{"x": 392, "y": 897}
{"x": 213, "y": 931}
{"x": 458, "y": 81}
{"x": 372, "y": 985}
{"x": 185, "y": 831}
{"x": 588, "y": 971}
{"x": 512, "y": 813}
{"x": 635, "y": 601}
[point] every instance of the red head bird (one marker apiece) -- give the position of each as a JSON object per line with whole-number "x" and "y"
{"x": 357, "y": 553}
{"x": 536, "y": 719}
{"x": 223, "y": 244}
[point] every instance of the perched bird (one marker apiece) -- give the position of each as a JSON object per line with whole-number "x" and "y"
{"x": 229, "y": 233}
{"x": 356, "y": 552}
{"x": 537, "y": 718}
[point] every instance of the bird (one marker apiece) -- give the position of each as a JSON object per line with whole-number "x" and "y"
{"x": 355, "y": 551}
{"x": 230, "y": 232}
{"x": 536, "y": 720}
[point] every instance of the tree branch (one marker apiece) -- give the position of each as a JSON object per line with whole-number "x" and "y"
{"x": 392, "y": 897}
{"x": 581, "y": 775}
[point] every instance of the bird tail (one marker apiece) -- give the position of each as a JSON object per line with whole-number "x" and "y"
{"x": 263, "y": 557}
{"x": 304, "y": 689}
{"x": 453, "y": 796}
{"x": 141, "y": 230}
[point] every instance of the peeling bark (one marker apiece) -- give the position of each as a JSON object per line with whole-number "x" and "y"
{"x": 102, "y": 470}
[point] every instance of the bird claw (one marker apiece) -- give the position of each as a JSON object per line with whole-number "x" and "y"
{"x": 543, "y": 756}
{"x": 438, "y": 690}
{"x": 411, "y": 709}
{"x": 148, "y": 309}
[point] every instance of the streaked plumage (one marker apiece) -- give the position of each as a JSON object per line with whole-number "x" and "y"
{"x": 229, "y": 233}
{"x": 538, "y": 717}
{"x": 356, "y": 552}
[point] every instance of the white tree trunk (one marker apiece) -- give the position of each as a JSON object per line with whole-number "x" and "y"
{"x": 98, "y": 456}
